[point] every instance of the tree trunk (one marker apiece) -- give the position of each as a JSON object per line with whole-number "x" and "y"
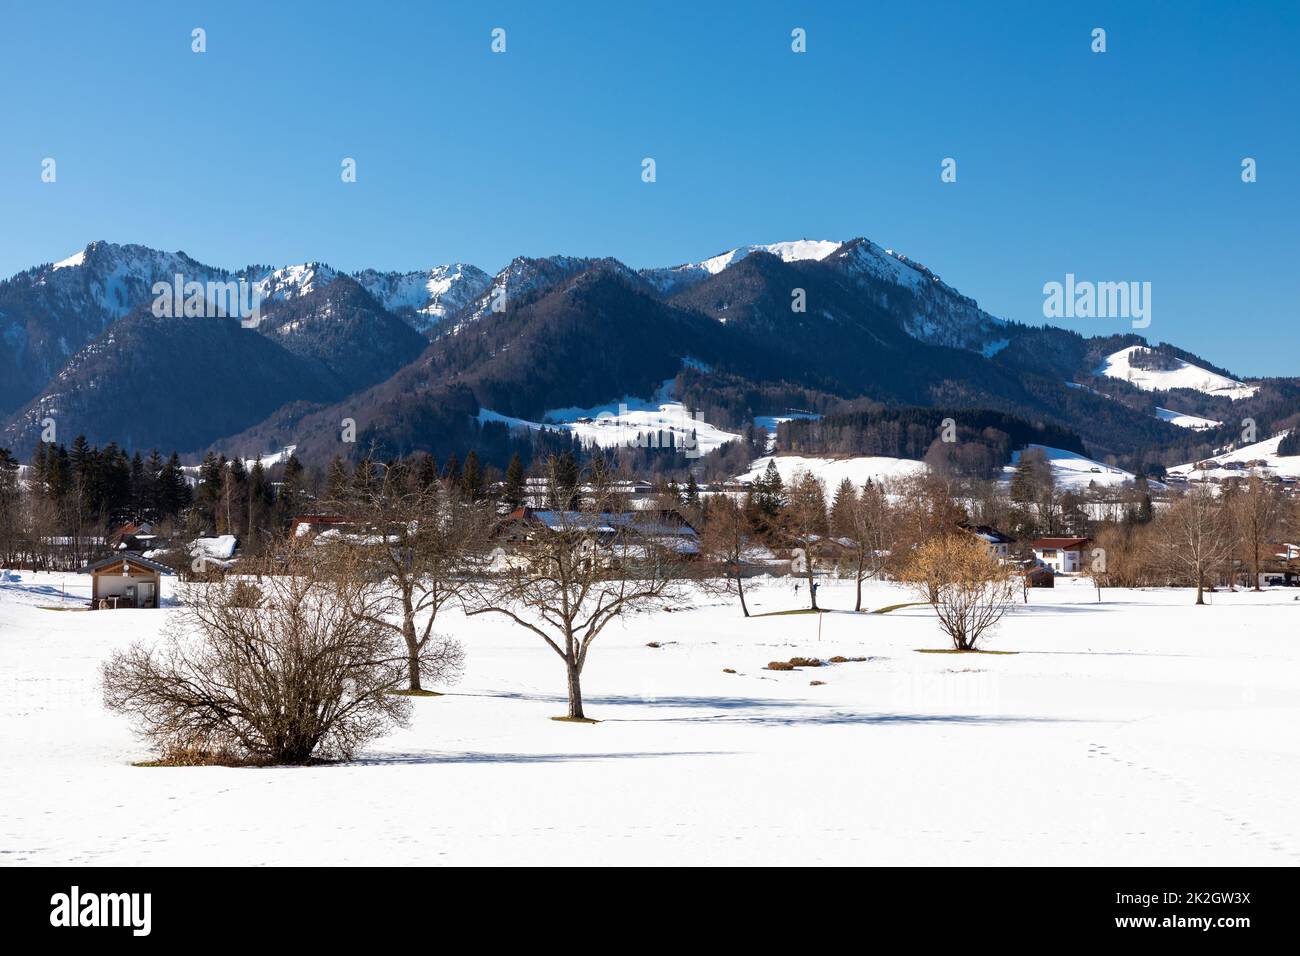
{"x": 740, "y": 589}
{"x": 575, "y": 691}
{"x": 412, "y": 651}
{"x": 808, "y": 564}
{"x": 857, "y": 604}
{"x": 1200, "y": 590}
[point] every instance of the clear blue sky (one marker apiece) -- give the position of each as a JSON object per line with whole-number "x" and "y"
{"x": 1118, "y": 166}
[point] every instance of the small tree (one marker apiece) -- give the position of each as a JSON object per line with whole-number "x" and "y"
{"x": 297, "y": 672}
{"x": 425, "y": 541}
{"x": 579, "y": 572}
{"x": 803, "y": 522}
{"x": 863, "y": 520}
{"x": 1259, "y": 512}
{"x": 1190, "y": 538}
{"x": 969, "y": 588}
{"x": 728, "y": 539}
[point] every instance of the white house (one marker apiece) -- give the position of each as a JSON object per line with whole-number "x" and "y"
{"x": 1062, "y": 555}
{"x": 999, "y": 544}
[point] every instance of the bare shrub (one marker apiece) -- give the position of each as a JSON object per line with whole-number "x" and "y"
{"x": 305, "y": 675}
{"x": 969, "y": 588}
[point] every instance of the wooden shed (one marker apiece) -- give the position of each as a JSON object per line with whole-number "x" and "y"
{"x": 126, "y": 580}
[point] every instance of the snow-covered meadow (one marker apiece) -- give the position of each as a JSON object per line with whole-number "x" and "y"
{"x": 1141, "y": 730}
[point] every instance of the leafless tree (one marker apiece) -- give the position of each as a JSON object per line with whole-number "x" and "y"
{"x": 426, "y": 541}
{"x": 729, "y": 540}
{"x": 1259, "y": 512}
{"x": 969, "y": 588}
{"x": 803, "y": 523}
{"x": 571, "y": 576}
{"x": 296, "y": 671}
{"x": 1190, "y": 538}
{"x": 865, "y": 524}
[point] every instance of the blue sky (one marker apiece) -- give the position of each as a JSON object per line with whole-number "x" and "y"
{"x": 1116, "y": 166}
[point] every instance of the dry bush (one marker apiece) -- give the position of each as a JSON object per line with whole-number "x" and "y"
{"x": 306, "y": 675}
{"x": 779, "y": 666}
{"x": 968, "y": 587}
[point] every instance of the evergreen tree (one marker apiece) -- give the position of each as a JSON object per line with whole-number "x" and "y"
{"x": 336, "y": 480}
{"x": 472, "y": 480}
{"x": 515, "y": 487}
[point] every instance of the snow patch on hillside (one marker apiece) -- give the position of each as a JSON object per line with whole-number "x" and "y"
{"x": 1235, "y": 463}
{"x": 832, "y": 471}
{"x": 628, "y": 422}
{"x": 1184, "y": 375}
{"x": 1072, "y": 471}
{"x": 1183, "y": 420}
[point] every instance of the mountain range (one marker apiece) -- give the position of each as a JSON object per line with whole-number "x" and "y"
{"x": 420, "y": 360}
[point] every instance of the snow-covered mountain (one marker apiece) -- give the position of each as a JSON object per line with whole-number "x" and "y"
{"x": 425, "y": 299}
{"x": 934, "y": 311}
{"x": 1180, "y": 374}
{"x": 525, "y": 275}
{"x": 49, "y": 312}
{"x": 668, "y": 280}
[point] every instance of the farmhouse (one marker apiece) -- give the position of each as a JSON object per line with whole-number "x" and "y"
{"x": 664, "y": 529}
{"x": 999, "y": 544}
{"x": 125, "y": 580}
{"x": 1062, "y": 555}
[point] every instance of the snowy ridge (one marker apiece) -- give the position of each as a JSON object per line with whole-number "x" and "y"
{"x": 427, "y": 296}
{"x": 940, "y": 314}
{"x": 675, "y": 277}
{"x": 113, "y": 278}
{"x": 1183, "y": 375}
{"x": 524, "y": 275}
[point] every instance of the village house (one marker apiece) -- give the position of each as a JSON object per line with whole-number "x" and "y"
{"x": 134, "y": 536}
{"x": 999, "y": 544}
{"x": 304, "y": 525}
{"x": 1062, "y": 555}
{"x": 126, "y": 581}
{"x": 660, "y": 528}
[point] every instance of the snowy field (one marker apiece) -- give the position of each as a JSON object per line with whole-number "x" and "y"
{"x": 1138, "y": 731}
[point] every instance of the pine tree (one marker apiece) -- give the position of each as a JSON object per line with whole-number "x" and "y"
{"x": 471, "y": 478}
{"x": 336, "y": 479}
{"x": 846, "y": 500}
{"x": 426, "y": 472}
{"x": 513, "y": 493}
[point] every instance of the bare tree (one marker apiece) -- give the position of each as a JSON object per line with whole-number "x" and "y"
{"x": 969, "y": 588}
{"x": 575, "y": 571}
{"x": 1190, "y": 538}
{"x": 1259, "y": 512}
{"x": 426, "y": 541}
{"x": 803, "y": 523}
{"x": 728, "y": 540}
{"x": 288, "y": 670}
{"x": 864, "y": 522}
